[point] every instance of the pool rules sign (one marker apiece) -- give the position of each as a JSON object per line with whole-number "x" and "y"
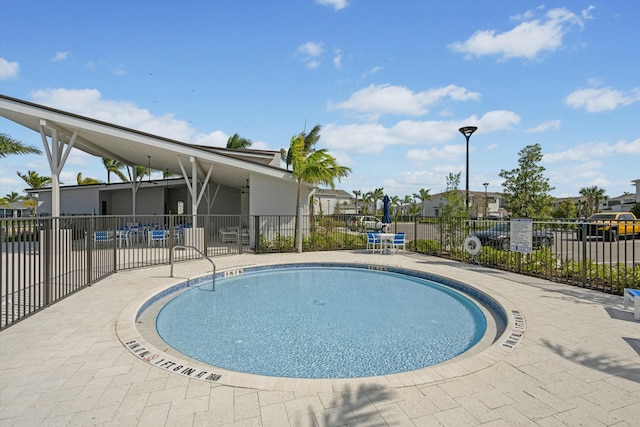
{"x": 521, "y": 238}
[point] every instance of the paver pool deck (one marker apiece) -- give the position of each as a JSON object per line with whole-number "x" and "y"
{"x": 578, "y": 363}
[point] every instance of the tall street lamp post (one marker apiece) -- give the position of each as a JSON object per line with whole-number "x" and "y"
{"x": 467, "y": 131}
{"x": 486, "y": 201}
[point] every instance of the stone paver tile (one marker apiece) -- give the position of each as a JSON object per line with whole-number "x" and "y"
{"x": 220, "y": 408}
{"x": 465, "y": 386}
{"x": 197, "y": 388}
{"x": 184, "y": 420}
{"x": 251, "y": 422}
{"x": 274, "y": 415}
{"x": 167, "y": 395}
{"x": 79, "y": 404}
{"x": 267, "y": 398}
{"x": 415, "y": 404}
{"x": 512, "y": 416}
{"x": 96, "y": 386}
{"x": 93, "y": 417}
{"x": 439, "y": 397}
{"x": 394, "y": 415}
{"x": 535, "y": 409}
{"x": 477, "y": 409}
{"x": 131, "y": 408}
{"x": 154, "y": 415}
{"x": 456, "y": 417}
{"x": 330, "y": 400}
{"x": 148, "y": 386}
{"x": 303, "y": 405}
{"x": 303, "y": 420}
{"x": 494, "y": 398}
{"x": 62, "y": 420}
{"x": 337, "y": 416}
{"x": 246, "y": 406}
{"x": 113, "y": 396}
{"x": 188, "y": 406}
{"x": 113, "y": 371}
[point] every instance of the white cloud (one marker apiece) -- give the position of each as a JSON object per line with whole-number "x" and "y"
{"x": 595, "y": 100}
{"x": 374, "y": 137}
{"x": 594, "y": 150}
{"x": 337, "y": 4}
{"x": 60, "y": 56}
{"x": 117, "y": 69}
{"x": 89, "y": 102}
{"x": 545, "y": 126}
{"x": 386, "y": 99}
{"x": 527, "y": 40}
{"x": 8, "y": 70}
{"x": 310, "y": 51}
{"x": 337, "y": 58}
{"x": 446, "y": 153}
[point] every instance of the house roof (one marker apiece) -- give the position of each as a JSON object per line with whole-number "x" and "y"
{"x": 132, "y": 147}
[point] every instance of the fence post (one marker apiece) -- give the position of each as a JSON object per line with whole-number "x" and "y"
{"x": 256, "y": 233}
{"x": 88, "y": 246}
{"x": 48, "y": 259}
{"x": 583, "y": 234}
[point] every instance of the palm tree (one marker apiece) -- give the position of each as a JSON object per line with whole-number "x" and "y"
{"x": 406, "y": 202}
{"x": 314, "y": 167}
{"x": 141, "y": 171}
{"x": 376, "y": 195}
{"x": 236, "y": 142}
{"x": 395, "y": 202}
{"x": 310, "y": 140}
{"x": 114, "y": 166}
{"x": 88, "y": 180}
{"x": 367, "y": 199}
{"x": 422, "y": 195}
{"x": 357, "y": 194}
{"x": 34, "y": 180}
{"x": 10, "y": 198}
{"x": 9, "y": 146}
{"x": 594, "y": 196}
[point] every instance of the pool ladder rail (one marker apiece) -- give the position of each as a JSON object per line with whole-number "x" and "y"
{"x": 213, "y": 274}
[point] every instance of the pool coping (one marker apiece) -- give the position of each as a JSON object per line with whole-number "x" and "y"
{"x": 129, "y": 335}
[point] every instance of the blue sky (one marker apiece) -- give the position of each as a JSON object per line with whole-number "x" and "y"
{"x": 389, "y": 81}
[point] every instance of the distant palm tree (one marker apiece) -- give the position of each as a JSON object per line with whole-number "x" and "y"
{"x": 10, "y": 198}
{"x": 376, "y": 195}
{"x": 357, "y": 194}
{"x": 594, "y": 196}
{"x": 9, "y": 146}
{"x": 406, "y": 202}
{"x": 34, "y": 180}
{"x": 422, "y": 195}
{"x": 115, "y": 167}
{"x": 236, "y": 142}
{"x": 88, "y": 180}
{"x": 141, "y": 172}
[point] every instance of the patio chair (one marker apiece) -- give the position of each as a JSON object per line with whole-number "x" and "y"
{"x": 102, "y": 237}
{"x": 373, "y": 239}
{"x": 123, "y": 235}
{"x": 161, "y": 236}
{"x": 398, "y": 241}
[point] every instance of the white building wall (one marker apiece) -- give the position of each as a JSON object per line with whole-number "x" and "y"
{"x": 270, "y": 196}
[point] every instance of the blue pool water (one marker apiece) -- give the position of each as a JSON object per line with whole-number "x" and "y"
{"x": 311, "y": 322}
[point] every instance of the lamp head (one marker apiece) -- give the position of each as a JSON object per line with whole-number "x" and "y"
{"x": 468, "y": 130}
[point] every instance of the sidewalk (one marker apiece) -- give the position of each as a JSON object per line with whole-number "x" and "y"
{"x": 578, "y": 364}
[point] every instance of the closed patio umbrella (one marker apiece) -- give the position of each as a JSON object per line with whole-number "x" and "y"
{"x": 386, "y": 211}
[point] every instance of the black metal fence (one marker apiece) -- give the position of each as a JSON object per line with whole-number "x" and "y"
{"x": 47, "y": 259}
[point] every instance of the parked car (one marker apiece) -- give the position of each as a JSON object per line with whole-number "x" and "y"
{"x": 364, "y": 223}
{"x": 609, "y": 225}
{"x": 499, "y": 236}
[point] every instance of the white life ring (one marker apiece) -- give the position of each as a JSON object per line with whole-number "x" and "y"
{"x": 472, "y": 245}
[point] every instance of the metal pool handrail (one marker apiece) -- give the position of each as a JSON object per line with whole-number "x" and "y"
{"x": 213, "y": 275}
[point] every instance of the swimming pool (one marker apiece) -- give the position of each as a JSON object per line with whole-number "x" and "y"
{"x": 320, "y": 321}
